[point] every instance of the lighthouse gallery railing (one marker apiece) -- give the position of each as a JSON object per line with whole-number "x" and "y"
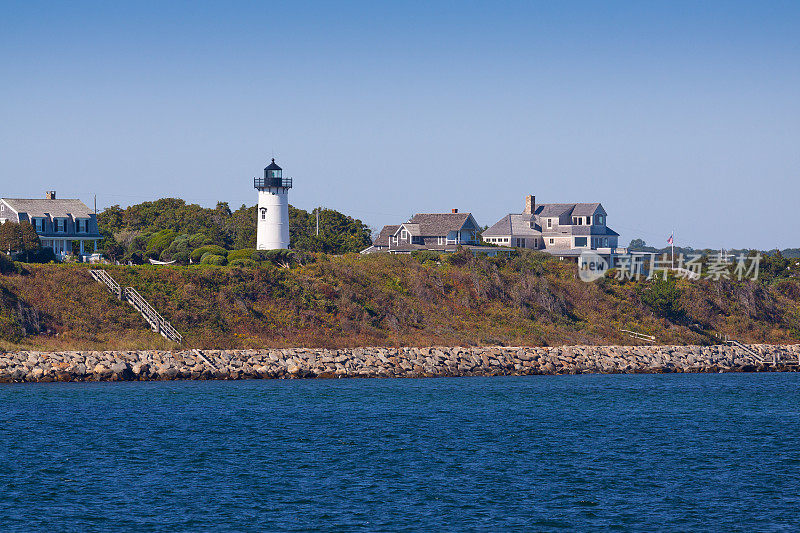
{"x": 263, "y": 183}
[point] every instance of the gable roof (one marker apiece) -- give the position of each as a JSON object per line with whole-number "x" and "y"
{"x": 578, "y": 210}
{"x": 54, "y": 208}
{"x": 437, "y": 224}
{"x": 383, "y": 236}
{"x": 586, "y": 210}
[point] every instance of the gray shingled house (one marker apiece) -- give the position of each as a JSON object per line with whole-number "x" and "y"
{"x": 440, "y": 232}
{"x": 57, "y": 222}
{"x": 564, "y": 230}
{"x": 435, "y": 231}
{"x": 381, "y": 243}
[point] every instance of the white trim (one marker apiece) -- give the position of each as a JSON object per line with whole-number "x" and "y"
{"x": 9, "y": 206}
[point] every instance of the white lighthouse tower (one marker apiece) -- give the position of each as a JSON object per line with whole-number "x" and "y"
{"x": 273, "y": 208}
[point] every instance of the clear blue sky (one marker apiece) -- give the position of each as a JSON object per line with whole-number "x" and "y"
{"x": 681, "y": 115}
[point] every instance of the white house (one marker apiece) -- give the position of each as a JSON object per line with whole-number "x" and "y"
{"x": 58, "y": 223}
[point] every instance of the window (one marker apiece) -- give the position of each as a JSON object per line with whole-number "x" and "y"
{"x": 549, "y": 222}
{"x": 263, "y": 213}
{"x": 580, "y": 242}
{"x": 404, "y": 235}
{"x": 440, "y": 240}
{"x": 588, "y": 221}
{"x": 552, "y": 241}
{"x": 600, "y": 219}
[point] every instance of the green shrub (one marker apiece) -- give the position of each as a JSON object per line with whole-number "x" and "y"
{"x": 459, "y": 258}
{"x": 6, "y": 265}
{"x": 211, "y": 259}
{"x": 197, "y": 240}
{"x": 664, "y": 297}
{"x": 197, "y": 255}
{"x": 424, "y": 256}
{"x": 244, "y": 253}
{"x": 245, "y": 262}
{"x": 274, "y": 256}
{"x": 181, "y": 258}
{"x": 160, "y": 241}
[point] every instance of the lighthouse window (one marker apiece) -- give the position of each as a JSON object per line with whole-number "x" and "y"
{"x": 263, "y": 214}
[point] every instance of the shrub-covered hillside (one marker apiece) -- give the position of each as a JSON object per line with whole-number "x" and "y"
{"x": 352, "y": 300}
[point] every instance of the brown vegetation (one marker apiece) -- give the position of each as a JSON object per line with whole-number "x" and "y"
{"x": 353, "y": 300}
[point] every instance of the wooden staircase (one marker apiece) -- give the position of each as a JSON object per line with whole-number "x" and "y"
{"x": 128, "y": 294}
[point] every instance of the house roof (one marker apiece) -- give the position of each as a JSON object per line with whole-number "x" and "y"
{"x": 436, "y": 224}
{"x": 585, "y": 210}
{"x": 514, "y": 225}
{"x": 413, "y": 229}
{"x": 383, "y": 236}
{"x": 53, "y": 208}
{"x": 557, "y": 210}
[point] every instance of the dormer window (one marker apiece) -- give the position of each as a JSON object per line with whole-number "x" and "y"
{"x": 588, "y": 221}
{"x": 549, "y": 222}
{"x": 600, "y": 219}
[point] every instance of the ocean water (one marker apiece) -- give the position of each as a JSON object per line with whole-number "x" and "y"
{"x": 542, "y": 453}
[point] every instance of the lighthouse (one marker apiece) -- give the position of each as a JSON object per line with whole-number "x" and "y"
{"x": 273, "y": 208}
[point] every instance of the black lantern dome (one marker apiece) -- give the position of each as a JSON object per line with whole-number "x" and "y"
{"x": 273, "y": 177}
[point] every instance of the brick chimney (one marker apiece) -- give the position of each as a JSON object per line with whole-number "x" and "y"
{"x": 530, "y": 205}
{"x": 50, "y": 195}
{"x": 454, "y": 211}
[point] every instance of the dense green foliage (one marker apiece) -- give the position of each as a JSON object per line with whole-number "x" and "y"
{"x": 169, "y": 229}
{"x": 664, "y": 297}
{"x": 20, "y": 238}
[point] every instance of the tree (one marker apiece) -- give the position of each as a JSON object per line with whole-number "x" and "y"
{"x": 30, "y": 239}
{"x": 113, "y": 250}
{"x": 637, "y": 244}
{"x": 663, "y": 296}
{"x": 11, "y": 237}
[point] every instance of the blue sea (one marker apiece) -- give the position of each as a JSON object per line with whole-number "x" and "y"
{"x": 701, "y": 452}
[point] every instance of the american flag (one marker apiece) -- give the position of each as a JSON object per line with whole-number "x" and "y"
{"x": 669, "y": 241}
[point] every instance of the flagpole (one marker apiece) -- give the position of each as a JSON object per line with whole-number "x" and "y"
{"x": 673, "y": 249}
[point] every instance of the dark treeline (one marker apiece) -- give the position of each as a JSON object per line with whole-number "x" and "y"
{"x": 639, "y": 245}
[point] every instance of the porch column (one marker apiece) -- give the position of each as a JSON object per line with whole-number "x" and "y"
{"x": 81, "y": 246}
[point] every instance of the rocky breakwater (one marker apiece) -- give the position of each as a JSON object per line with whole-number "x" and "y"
{"x": 389, "y": 362}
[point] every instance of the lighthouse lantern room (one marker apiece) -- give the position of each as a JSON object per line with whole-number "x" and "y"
{"x": 273, "y": 208}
